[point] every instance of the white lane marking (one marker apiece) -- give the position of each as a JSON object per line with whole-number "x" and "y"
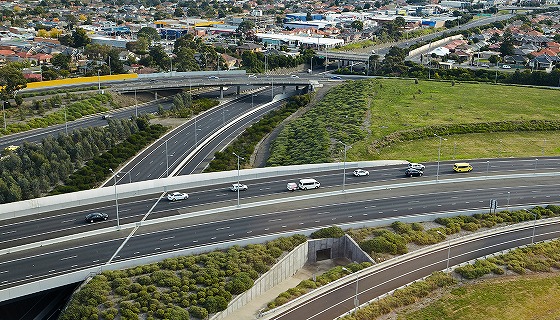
{"x": 231, "y": 235}
{"x": 12, "y": 231}
{"x": 273, "y": 220}
{"x": 364, "y": 214}
{"x": 69, "y": 220}
{"x": 195, "y": 241}
{"x": 29, "y": 276}
{"x": 222, "y": 228}
{"x": 283, "y": 226}
{"x": 95, "y": 261}
{"x": 369, "y": 207}
{"x": 395, "y": 210}
{"x": 380, "y": 212}
{"x": 166, "y": 238}
{"x": 326, "y": 212}
{"x": 4, "y": 271}
{"x": 70, "y": 257}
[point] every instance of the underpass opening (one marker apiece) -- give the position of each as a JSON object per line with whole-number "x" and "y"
{"x": 323, "y": 254}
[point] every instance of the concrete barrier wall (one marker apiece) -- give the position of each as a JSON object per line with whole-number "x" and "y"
{"x": 191, "y": 74}
{"x": 143, "y": 188}
{"x": 282, "y": 270}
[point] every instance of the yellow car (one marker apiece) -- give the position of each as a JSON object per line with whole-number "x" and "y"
{"x": 462, "y": 167}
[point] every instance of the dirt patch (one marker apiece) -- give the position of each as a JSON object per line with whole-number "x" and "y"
{"x": 169, "y": 122}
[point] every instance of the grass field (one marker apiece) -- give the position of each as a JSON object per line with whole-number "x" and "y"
{"x": 500, "y": 299}
{"x": 397, "y": 105}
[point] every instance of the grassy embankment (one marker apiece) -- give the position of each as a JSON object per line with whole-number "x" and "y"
{"x": 366, "y": 114}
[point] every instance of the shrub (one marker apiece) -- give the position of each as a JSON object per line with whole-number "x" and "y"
{"x": 329, "y": 232}
{"x": 198, "y": 312}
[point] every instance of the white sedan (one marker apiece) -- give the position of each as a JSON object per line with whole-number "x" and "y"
{"x": 177, "y": 196}
{"x": 238, "y": 186}
{"x": 361, "y": 172}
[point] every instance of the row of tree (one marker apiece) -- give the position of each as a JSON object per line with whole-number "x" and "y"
{"x": 34, "y": 169}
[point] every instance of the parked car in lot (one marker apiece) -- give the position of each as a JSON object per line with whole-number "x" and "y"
{"x": 292, "y": 186}
{"x": 462, "y": 167}
{"x": 238, "y": 186}
{"x": 417, "y": 166}
{"x": 96, "y": 216}
{"x": 361, "y": 173}
{"x": 413, "y": 172}
{"x": 177, "y": 196}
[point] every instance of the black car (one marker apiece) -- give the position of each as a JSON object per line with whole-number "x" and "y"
{"x": 413, "y": 173}
{"x": 96, "y": 216}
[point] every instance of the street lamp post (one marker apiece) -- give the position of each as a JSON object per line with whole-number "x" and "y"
{"x": 344, "y": 166}
{"x": 238, "y": 157}
{"x": 487, "y": 167}
{"x": 98, "y": 81}
{"x": 448, "y": 251}
{"x": 507, "y": 207}
{"x": 166, "y": 159}
{"x": 136, "y": 103}
{"x": 356, "y": 301}
{"x": 65, "y": 121}
{"x": 439, "y": 155}
{"x": 4, "y": 113}
{"x": 116, "y": 196}
{"x": 534, "y": 227}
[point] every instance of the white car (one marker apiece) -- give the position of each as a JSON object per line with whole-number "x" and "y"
{"x": 417, "y": 166}
{"x": 213, "y": 77}
{"x": 238, "y": 186}
{"x": 252, "y": 76}
{"x": 294, "y": 76}
{"x": 292, "y": 186}
{"x": 177, "y": 196}
{"x": 506, "y": 66}
{"x": 361, "y": 172}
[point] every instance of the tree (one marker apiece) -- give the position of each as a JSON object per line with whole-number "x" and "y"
{"x": 178, "y": 12}
{"x": 80, "y": 38}
{"x": 358, "y": 25}
{"x": 506, "y": 48}
{"x": 11, "y": 81}
{"x": 308, "y": 17}
{"x": 62, "y": 61}
{"x": 493, "y": 59}
{"x": 149, "y": 33}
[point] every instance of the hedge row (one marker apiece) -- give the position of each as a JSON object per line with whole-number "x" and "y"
{"x": 443, "y": 130}
{"x": 177, "y": 288}
{"x": 97, "y": 169}
{"x": 542, "y": 257}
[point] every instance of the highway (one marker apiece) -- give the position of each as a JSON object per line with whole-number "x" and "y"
{"x": 31, "y": 265}
{"x": 26, "y": 230}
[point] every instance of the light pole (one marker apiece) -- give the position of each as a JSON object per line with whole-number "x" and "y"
{"x": 4, "y": 113}
{"x": 439, "y": 155}
{"x": 166, "y": 159}
{"x": 238, "y": 157}
{"x": 487, "y": 167}
{"x": 448, "y": 250}
{"x": 136, "y": 103}
{"x": 116, "y": 196}
{"x": 356, "y": 301}
{"x": 344, "y": 166}
{"x": 534, "y": 227}
{"x": 507, "y": 207}
{"x": 65, "y": 121}
{"x": 98, "y": 81}
{"x": 536, "y": 161}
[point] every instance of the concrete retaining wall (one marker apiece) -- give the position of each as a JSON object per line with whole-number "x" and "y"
{"x": 343, "y": 247}
{"x": 282, "y": 270}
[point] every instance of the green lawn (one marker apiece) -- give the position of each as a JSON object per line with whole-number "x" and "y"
{"x": 507, "y": 299}
{"x": 397, "y": 105}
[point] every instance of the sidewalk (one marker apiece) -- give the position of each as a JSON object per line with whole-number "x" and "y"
{"x": 252, "y": 309}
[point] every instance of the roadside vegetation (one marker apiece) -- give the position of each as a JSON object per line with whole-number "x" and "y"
{"x": 77, "y": 161}
{"x": 397, "y": 119}
{"x": 188, "y": 287}
{"x": 244, "y": 145}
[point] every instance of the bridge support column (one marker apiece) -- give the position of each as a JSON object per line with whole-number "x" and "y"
{"x": 238, "y": 92}
{"x": 221, "y": 92}
{"x": 155, "y": 95}
{"x": 283, "y": 89}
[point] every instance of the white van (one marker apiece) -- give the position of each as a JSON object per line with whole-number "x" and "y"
{"x": 305, "y": 184}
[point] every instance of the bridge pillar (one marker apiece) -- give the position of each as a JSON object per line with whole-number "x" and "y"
{"x": 155, "y": 95}
{"x": 238, "y": 91}
{"x": 283, "y": 89}
{"x": 221, "y": 92}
